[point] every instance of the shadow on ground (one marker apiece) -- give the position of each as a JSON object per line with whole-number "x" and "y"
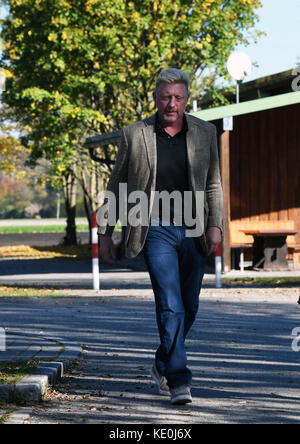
{"x": 245, "y": 370}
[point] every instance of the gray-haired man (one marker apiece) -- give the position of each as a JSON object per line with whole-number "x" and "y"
{"x": 170, "y": 152}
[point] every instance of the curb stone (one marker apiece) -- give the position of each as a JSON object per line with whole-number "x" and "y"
{"x": 32, "y": 388}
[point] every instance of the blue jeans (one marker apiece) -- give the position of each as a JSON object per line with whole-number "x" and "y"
{"x": 176, "y": 267}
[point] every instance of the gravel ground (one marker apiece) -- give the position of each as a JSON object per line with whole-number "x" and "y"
{"x": 240, "y": 351}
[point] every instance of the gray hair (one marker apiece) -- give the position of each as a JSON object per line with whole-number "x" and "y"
{"x": 173, "y": 75}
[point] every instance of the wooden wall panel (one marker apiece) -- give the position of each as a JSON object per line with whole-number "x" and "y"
{"x": 265, "y": 166}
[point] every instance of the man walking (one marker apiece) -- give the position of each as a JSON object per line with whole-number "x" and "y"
{"x": 169, "y": 152}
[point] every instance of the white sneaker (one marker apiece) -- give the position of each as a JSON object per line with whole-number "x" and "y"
{"x": 160, "y": 381}
{"x": 181, "y": 395}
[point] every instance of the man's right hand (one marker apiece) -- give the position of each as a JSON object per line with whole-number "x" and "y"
{"x": 107, "y": 249}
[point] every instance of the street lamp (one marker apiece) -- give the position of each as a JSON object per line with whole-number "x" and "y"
{"x": 239, "y": 66}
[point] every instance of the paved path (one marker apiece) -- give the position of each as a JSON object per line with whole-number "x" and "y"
{"x": 77, "y": 274}
{"x": 22, "y": 347}
{"x": 39, "y": 239}
{"x": 240, "y": 351}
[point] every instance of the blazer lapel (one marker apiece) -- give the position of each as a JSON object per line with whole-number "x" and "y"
{"x": 191, "y": 137}
{"x": 150, "y": 142}
{"x": 197, "y": 152}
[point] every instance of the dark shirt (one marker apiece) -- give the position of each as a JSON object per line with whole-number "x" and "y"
{"x": 171, "y": 164}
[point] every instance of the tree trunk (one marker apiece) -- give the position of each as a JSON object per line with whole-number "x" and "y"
{"x": 88, "y": 215}
{"x": 70, "y": 191}
{"x": 91, "y": 183}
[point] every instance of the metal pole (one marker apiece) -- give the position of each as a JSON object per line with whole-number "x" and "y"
{"x": 2, "y": 82}
{"x": 238, "y": 83}
{"x": 242, "y": 261}
{"x": 58, "y": 206}
{"x": 218, "y": 265}
{"x": 95, "y": 252}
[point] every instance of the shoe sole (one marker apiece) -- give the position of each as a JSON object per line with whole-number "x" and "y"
{"x": 181, "y": 400}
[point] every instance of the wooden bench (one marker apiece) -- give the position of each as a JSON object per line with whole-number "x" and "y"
{"x": 238, "y": 256}
{"x": 239, "y": 241}
{"x": 294, "y": 251}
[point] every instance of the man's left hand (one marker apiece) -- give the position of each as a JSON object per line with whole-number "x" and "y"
{"x": 213, "y": 238}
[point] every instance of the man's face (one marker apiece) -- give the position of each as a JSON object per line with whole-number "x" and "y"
{"x": 170, "y": 100}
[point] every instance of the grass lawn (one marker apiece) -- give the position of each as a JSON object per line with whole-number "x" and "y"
{"x": 278, "y": 281}
{"x": 40, "y": 229}
{"x": 11, "y": 372}
{"x": 44, "y": 228}
{"x": 6, "y": 291}
{"x": 5, "y": 413}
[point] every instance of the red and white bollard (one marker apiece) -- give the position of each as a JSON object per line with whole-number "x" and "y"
{"x": 95, "y": 252}
{"x": 218, "y": 265}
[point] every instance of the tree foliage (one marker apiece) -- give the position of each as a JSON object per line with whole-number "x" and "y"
{"x": 91, "y": 64}
{"x": 80, "y": 67}
{"x": 12, "y": 156}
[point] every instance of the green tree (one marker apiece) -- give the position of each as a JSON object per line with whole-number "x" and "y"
{"x": 80, "y": 67}
{"x": 12, "y": 156}
{"x": 24, "y": 192}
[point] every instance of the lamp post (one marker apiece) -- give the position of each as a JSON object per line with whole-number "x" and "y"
{"x": 239, "y": 66}
{"x": 58, "y": 195}
{"x": 2, "y": 81}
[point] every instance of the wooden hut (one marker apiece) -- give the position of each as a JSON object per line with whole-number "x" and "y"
{"x": 260, "y": 164}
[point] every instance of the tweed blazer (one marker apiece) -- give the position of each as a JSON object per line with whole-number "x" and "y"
{"x": 136, "y": 164}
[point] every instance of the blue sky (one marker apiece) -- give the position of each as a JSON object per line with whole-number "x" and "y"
{"x": 278, "y": 51}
